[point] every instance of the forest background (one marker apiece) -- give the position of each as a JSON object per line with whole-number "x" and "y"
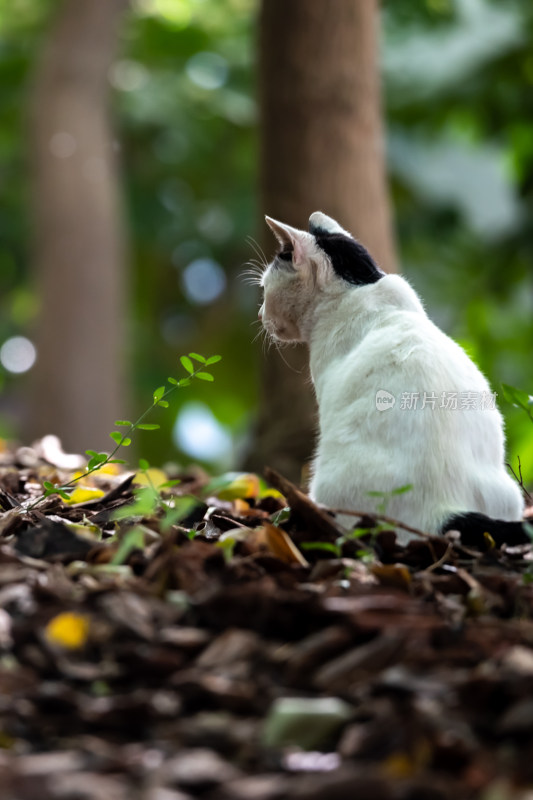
{"x": 178, "y": 178}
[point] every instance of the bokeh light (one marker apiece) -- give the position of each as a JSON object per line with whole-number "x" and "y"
{"x": 128, "y": 76}
{"x": 203, "y": 280}
{"x": 200, "y": 435}
{"x": 208, "y": 70}
{"x": 18, "y": 354}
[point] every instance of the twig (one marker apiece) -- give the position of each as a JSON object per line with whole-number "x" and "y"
{"x": 442, "y": 560}
{"x": 520, "y": 480}
{"x": 381, "y": 518}
{"x": 318, "y": 515}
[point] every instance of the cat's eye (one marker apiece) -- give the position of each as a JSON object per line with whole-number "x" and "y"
{"x": 285, "y": 255}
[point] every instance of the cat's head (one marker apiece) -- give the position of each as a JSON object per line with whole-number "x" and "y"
{"x": 325, "y": 260}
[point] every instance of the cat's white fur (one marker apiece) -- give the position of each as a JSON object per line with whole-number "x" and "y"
{"x": 363, "y": 339}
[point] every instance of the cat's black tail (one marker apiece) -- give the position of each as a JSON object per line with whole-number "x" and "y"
{"x": 473, "y": 526}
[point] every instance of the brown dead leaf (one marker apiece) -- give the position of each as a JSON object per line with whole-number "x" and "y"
{"x": 282, "y": 546}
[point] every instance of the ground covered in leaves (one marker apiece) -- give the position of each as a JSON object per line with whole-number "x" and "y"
{"x": 246, "y": 647}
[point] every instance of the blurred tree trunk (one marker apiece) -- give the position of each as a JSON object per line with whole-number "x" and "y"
{"x": 322, "y": 149}
{"x": 79, "y": 250}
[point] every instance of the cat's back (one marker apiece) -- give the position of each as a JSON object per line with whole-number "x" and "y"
{"x": 388, "y": 342}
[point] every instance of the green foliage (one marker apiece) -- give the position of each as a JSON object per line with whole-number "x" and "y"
{"x": 133, "y": 540}
{"x": 328, "y": 547}
{"x": 186, "y": 363}
{"x": 147, "y": 499}
{"x": 519, "y": 399}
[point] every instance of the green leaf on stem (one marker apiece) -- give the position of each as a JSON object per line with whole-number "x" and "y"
{"x": 173, "y": 381}
{"x": 133, "y": 540}
{"x": 97, "y": 458}
{"x": 518, "y": 398}
{"x": 213, "y": 360}
{"x": 144, "y": 505}
{"x": 158, "y": 394}
{"x": 328, "y": 546}
{"x": 402, "y": 489}
{"x": 148, "y": 426}
{"x": 198, "y": 357}
{"x": 123, "y": 422}
{"x": 204, "y": 376}
{"x": 187, "y": 364}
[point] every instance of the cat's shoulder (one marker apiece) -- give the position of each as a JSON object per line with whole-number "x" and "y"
{"x": 395, "y": 291}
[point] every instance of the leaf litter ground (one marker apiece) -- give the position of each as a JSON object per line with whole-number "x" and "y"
{"x": 222, "y": 657}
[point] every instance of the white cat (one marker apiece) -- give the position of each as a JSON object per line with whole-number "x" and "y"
{"x": 399, "y": 401}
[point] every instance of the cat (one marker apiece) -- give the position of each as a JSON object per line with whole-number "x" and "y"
{"x": 399, "y": 402}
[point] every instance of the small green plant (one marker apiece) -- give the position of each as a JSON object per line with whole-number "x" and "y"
{"x": 97, "y": 460}
{"x": 366, "y": 553}
{"x": 386, "y": 497}
{"x": 523, "y": 400}
{"x": 519, "y": 399}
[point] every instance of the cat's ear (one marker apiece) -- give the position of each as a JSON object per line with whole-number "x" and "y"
{"x": 320, "y": 224}
{"x": 288, "y": 237}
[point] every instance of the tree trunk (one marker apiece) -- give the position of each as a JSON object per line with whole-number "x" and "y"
{"x": 79, "y": 252}
{"x": 322, "y": 148}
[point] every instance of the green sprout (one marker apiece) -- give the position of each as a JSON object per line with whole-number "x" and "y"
{"x": 124, "y": 439}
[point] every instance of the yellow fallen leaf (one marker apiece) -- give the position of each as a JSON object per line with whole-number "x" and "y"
{"x": 282, "y": 546}
{"x": 77, "y": 475}
{"x": 6, "y": 741}
{"x": 82, "y": 494}
{"x": 399, "y": 765}
{"x": 108, "y": 469}
{"x": 105, "y": 469}
{"x": 68, "y": 630}
{"x": 242, "y": 487}
{"x": 241, "y": 506}
{"x": 395, "y": 575}
{"x": 155, "y": 477}
{"x": 489, "y": 541}
{"x": 273, "y": 493}
{"x": 405, "y": 765}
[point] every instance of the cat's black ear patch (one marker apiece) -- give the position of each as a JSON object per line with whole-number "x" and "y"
{"x": 350, "y": 260}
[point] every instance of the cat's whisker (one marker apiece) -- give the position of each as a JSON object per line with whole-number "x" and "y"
{"x": 257, "y": 262}
{"x": 293, "y": 369}
{"x": 254, "y": 274}
{"x": 256, "y": 266}
{"x": 258, "y": 250}
{"x": 252, "y": 280}
{"x": 257, "y": 335}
